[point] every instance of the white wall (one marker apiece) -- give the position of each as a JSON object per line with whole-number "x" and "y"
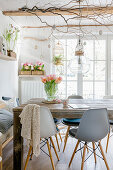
{"x": 33, "y": 87}
{"x": 8, "y": 69}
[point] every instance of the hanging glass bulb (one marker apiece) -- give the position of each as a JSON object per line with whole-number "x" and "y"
{"x": 79, "y": 64}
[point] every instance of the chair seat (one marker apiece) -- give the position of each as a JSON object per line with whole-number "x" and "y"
{"x": 111, "y": 122}
{"x": 57, "y": 121}
{"x": 71, "y": 122}
{"x": 73, "y": 132}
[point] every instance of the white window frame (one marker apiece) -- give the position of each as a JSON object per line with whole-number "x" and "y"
{"x": 108, "y": 38}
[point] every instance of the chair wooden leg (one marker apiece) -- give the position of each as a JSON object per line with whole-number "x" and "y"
{"x": 28, "y": 156}
{"x": 66, "y": 137}
{"x": 74, "y": 153}
{"x": 57, "y": 142}
{"x": 50, "y": 155}
{"x": 31, "y": 154}
{"x": 94, "y": 151}
{"x": 1, "y": 157}
{"x": 83, "y": 157}
{"x": 104, "y": 156}
{"x": 59, "y": 133}
{"x": 54, "y": 148}
{"x": 60, "y": 136}
{"x": 107, "y": 142}
{"x": 87, "y": 149}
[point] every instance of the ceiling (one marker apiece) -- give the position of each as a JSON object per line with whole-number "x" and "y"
{"x": 57, "y": 20}
{"x": 15, "y": 4}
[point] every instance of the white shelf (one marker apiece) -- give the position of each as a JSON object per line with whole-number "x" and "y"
{"x": 5, "y": 57}
{"x": 30, "y": 76}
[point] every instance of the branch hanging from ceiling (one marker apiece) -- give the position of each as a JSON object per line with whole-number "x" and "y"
{"x": 98, "y": 14}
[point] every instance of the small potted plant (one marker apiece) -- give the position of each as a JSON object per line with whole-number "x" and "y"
{"x": 11, "y": 36}
{"x": 38, "y": 69}
{"x": 57, "y": 60}
{"x": 26, "y": 69}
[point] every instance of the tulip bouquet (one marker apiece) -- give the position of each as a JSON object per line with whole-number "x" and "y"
{"x": 51, "y": 86}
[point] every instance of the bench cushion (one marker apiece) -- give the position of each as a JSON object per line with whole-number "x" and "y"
{"x": 6, "y": 120}
{"x": 6, "y": 136}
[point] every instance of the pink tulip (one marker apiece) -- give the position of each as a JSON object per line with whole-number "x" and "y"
{"x": 39, "y": 68}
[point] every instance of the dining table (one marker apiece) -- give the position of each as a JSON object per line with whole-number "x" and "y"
{"x": 74, "y": 109}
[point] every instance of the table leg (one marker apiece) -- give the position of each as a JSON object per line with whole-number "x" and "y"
{"x": 18, "y": 143}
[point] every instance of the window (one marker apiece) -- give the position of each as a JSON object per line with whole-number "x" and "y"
{"x": 69, "y": 84}
{"x": 111, "y": 67}
{"x": 96, "y": 82}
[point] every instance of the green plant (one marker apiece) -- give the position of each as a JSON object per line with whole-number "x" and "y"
{"x": 57, "y": 59}
{"x": 11, "y": 36}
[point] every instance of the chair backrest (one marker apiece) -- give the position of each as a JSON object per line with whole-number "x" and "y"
{"x": 108, "y": 97}
{"x": 94, "y": 125}
{"x": 47, "y": 125}
{"x": 75, "y": 97}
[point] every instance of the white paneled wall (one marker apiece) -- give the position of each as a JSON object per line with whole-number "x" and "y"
{"x": 30, "y": 89}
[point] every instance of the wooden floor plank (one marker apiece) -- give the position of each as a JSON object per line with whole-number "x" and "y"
{"x": 43, "y": 161}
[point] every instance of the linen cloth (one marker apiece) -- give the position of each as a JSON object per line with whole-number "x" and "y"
{"x": 30, "y": 120}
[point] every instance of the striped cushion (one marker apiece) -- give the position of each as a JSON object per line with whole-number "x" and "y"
{"x": 6, "y": 136}
{"x": 6, "y": 120}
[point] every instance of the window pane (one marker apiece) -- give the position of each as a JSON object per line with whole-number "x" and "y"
{"x": 88, "y": 90}
{"x": 88, "y": 49}
{"x": 111, "y": 70}
{"x": 71, "y": 88}
{"x": 99, "y": 70}
{"x": 111, "y": 49}
{"x": 89, "y": 75}
{"x": 62, "y": 89}
{"x": 71, "y": 45}
{"x": 111, "y": 88}
{"x": 99, "y": 90}
{"x": 100, "y": 49}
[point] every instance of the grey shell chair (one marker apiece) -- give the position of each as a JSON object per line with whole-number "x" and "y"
{"x": 110, "y": 121}
{"x": 75, "y": 97}
{"x": 70, "y": 122}
{"x": 47, "y": 130}
{"x": 93, "y": 127}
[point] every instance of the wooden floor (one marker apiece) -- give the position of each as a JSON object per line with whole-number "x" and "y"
{"x": 43, "y": 161}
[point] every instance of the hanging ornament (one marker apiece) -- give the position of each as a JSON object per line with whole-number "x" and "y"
{"x": 79, "y": 51}
{"x": 58, "y": 54}
{"x": 100, "y": 32}
{"x": 58, "y": 50}
{"x": 49, "y": 46}
{"x": 54, "y": 27}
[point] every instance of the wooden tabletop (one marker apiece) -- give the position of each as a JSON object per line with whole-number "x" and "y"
{"x": 59, "y": 111}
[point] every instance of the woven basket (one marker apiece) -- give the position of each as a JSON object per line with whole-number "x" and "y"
{"x": 25, "y": 72}
{"x": 37, "y": 72}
